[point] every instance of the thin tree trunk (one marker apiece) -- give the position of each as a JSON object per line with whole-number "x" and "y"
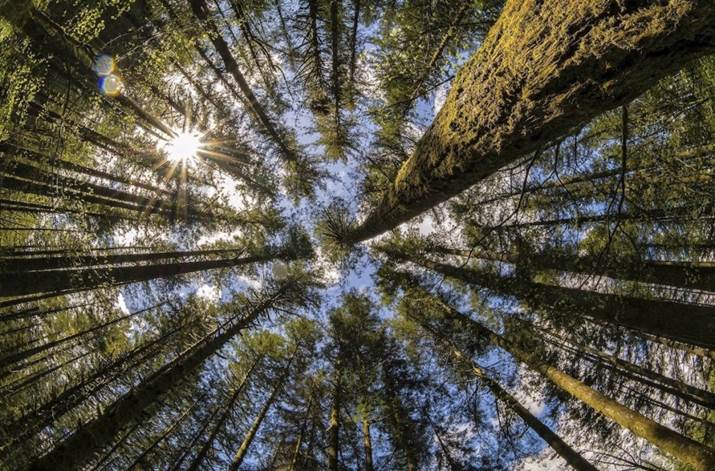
{"x": 20, "y": 263}
{"x": 201, "y": 455}
{"x": 82, "y": 445}
{"x": 689, "y": 323}
{"x": 333, "y": 431}
{"x": 137, "y": 463}
{"x": 251, "y": 434}
{"x": 17, "y": 356}
{"x": 524, "y": 88}
{"x": 699, "y": 456}
{"x": 200, "y": 10}
{"x": 571, "y": 456}
{"x": 299, "y": 441}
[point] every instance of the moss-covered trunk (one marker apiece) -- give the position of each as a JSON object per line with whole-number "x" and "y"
{"x": 545, "y": 69}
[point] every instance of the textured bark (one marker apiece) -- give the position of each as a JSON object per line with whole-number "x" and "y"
{"x": 81, "y": 446}
{"x": 545, "y": 69}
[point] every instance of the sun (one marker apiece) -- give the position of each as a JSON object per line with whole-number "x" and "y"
{"x": 183, "y": 147}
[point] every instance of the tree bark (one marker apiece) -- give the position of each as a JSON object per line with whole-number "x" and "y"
{"x": 544, "y": 69}
{"x": 689, "y": 323}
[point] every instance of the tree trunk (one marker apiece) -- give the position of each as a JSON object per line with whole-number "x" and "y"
{"x": 17, "y": 356}
{"x": 571, "y": 456}
{"x": 525, "y": 87}
{"x": 69, "y": 259}
{"x": 699, "y": 456}
{"x": 688, "y": 275}
{"x": 367, "y": 441}
{"x": 201, "y": 455}
{"x": 634, "y": 372}
{"x": 689, "y": 323}
{"x": 82, "y": 445}
{"x": 333, "y": 432}
{"x": 140, "y": 460}
{"x": 251, "y": 434}
{"x": 16, "y": 284}
{"x": 200, "y": 10}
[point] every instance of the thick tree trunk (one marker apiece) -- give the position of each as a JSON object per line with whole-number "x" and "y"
{"x": 527, "y": 86}
{"x": 69, "y": 259}
{"x": 17, "y": 284}
{"x": 634, "y": 372}
{"x": 689, "y": 275}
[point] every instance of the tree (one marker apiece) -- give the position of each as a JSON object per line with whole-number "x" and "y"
{"x": 461, "y": 148}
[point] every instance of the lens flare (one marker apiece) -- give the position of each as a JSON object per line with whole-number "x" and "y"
{"x": 103, "y": 65}
{"x": 111, "y": 85}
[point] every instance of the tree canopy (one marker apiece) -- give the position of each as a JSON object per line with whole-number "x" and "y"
{"x": 357, "y": 235}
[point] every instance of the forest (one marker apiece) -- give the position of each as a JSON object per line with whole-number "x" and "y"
{"x": 357, "y": 235}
